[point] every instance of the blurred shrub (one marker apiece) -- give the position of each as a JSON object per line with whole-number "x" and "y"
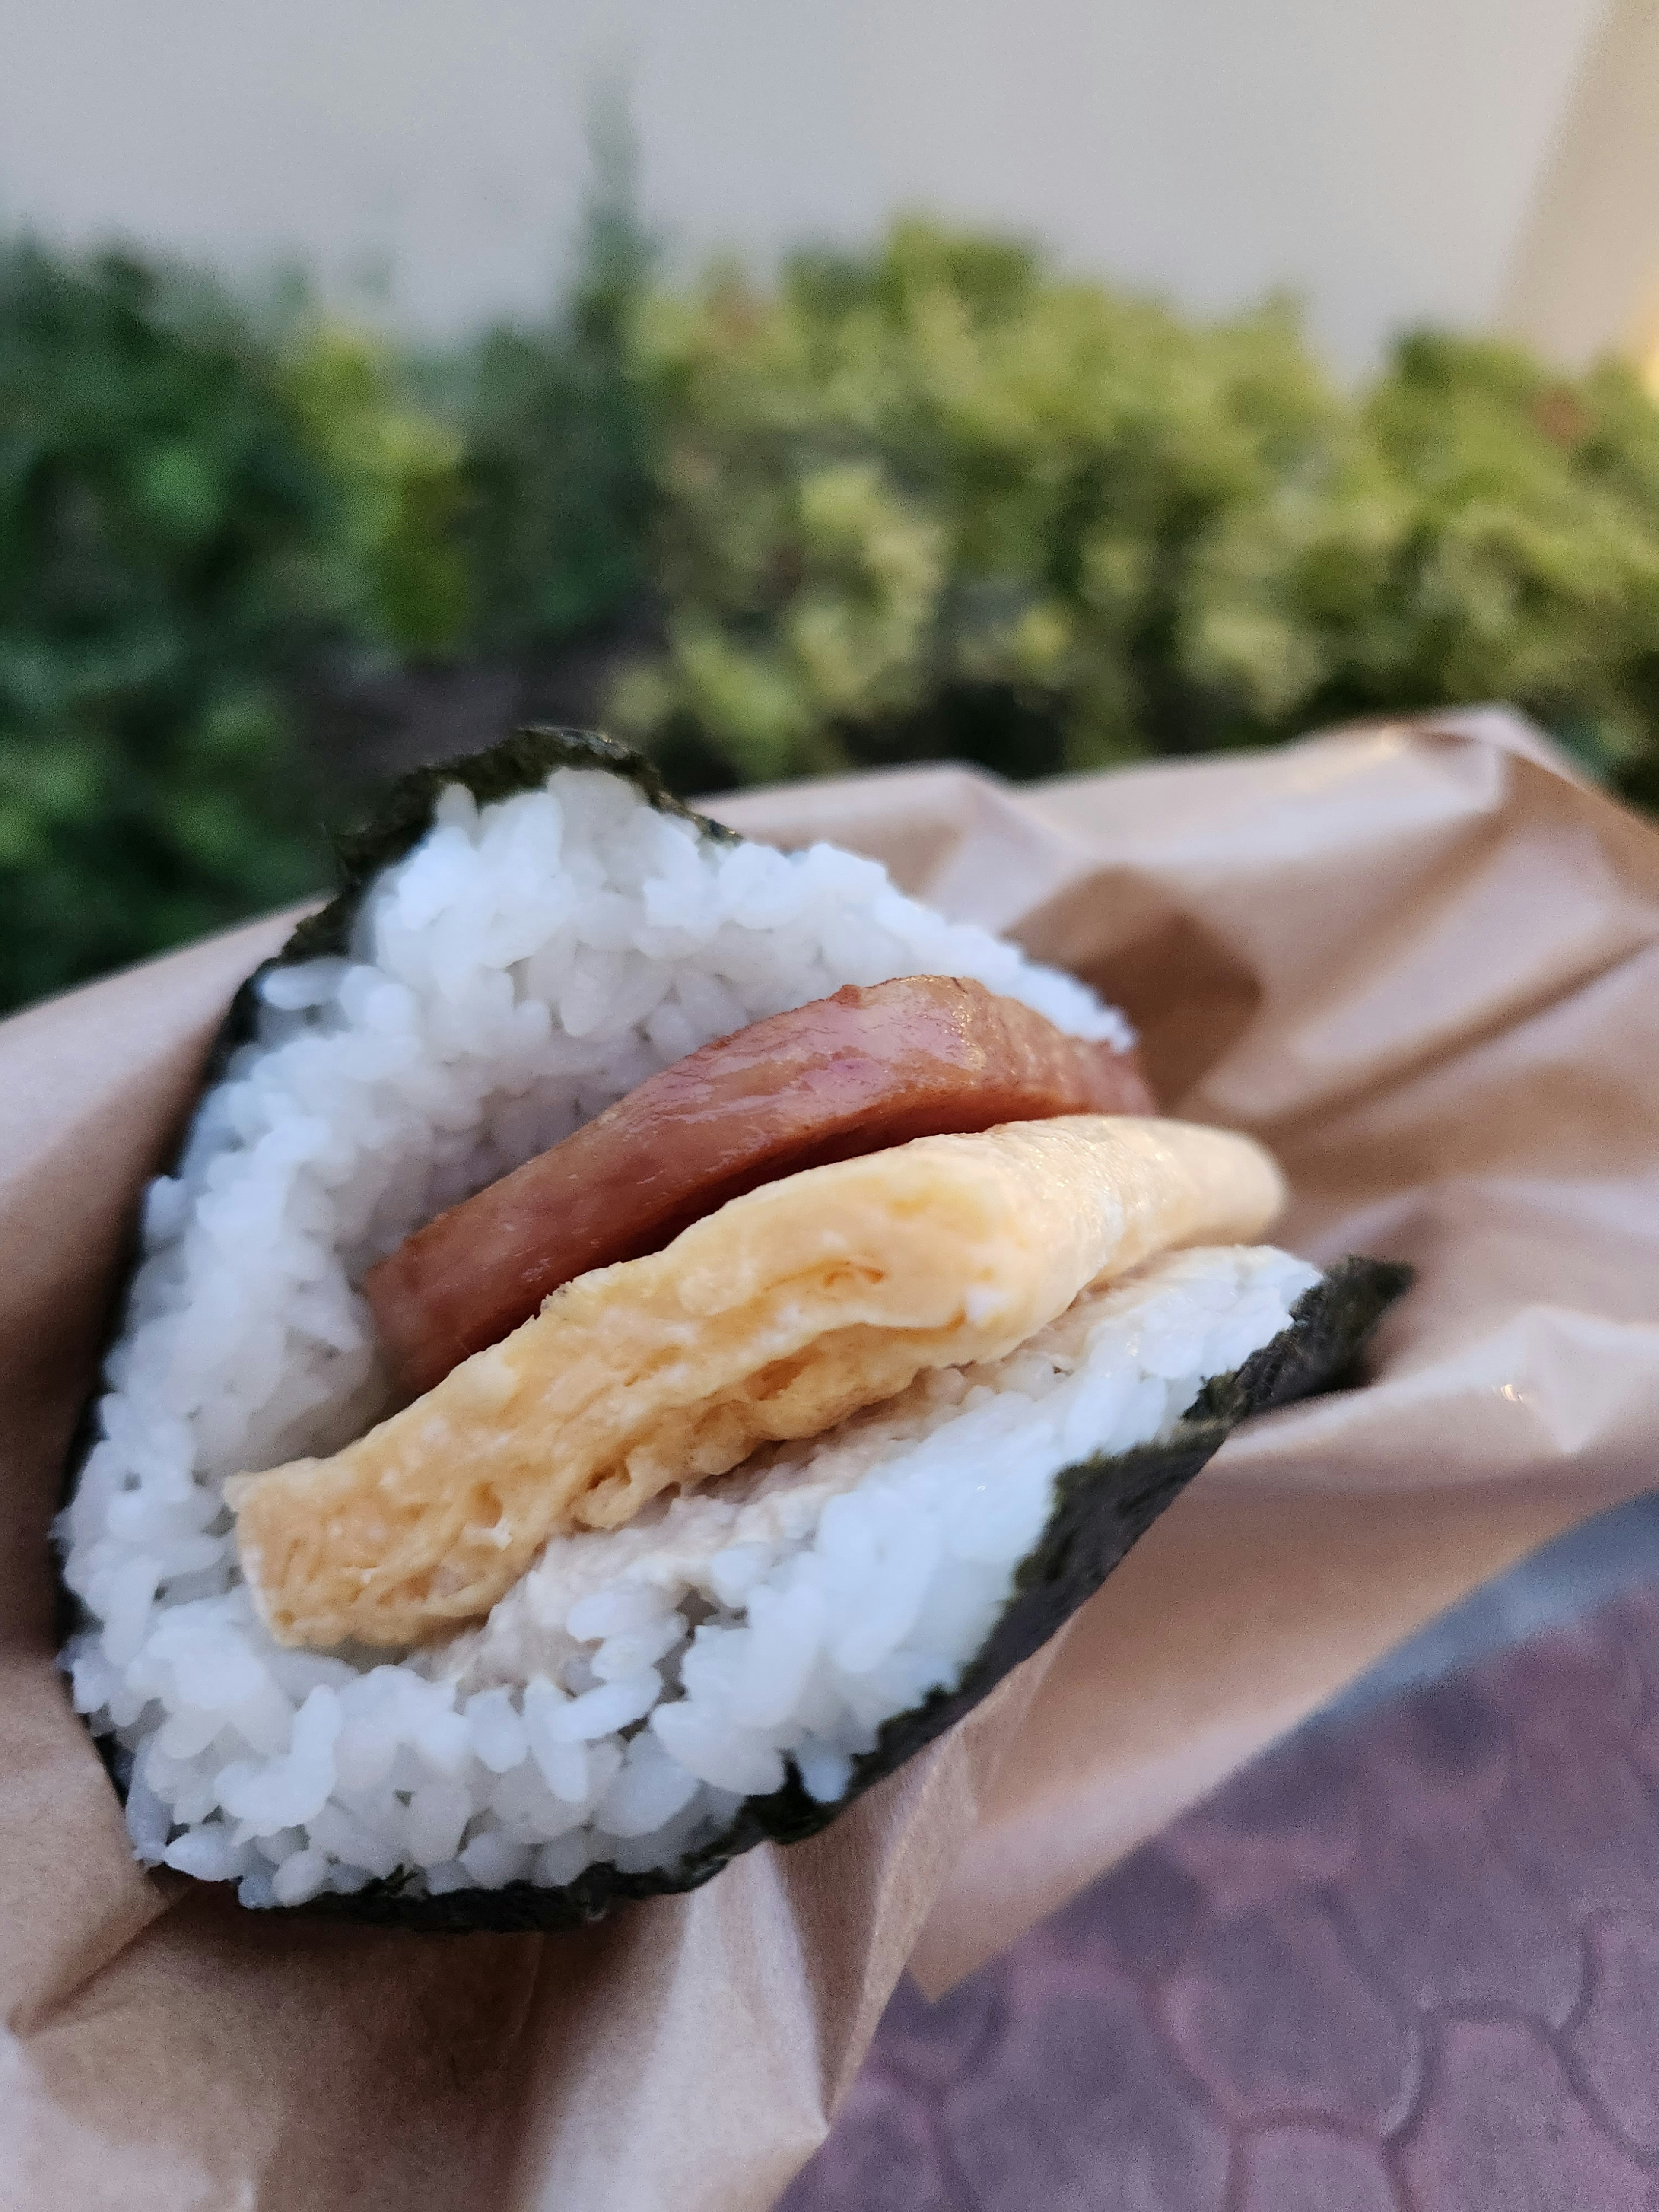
{"x": 937, "y": 501}
{"x": 558, "y": 488}
{"x": 158, "y": 512}
{"x": 933, "y": 501}
{"x": 1482, "y": 530}
{"x": 194, "y": 517}
{"x": 388, "y": 540}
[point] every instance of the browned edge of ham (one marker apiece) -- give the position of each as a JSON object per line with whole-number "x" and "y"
{"x": 871, "y": 1067}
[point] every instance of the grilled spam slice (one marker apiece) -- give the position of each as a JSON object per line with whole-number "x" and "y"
{"x": 860, "y": 1071}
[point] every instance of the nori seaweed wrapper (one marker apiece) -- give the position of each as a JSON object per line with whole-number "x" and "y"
{"x": 1102, "y": 1506}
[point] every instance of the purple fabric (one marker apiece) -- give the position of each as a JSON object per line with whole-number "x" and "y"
{"x": 1408, "y": 1963}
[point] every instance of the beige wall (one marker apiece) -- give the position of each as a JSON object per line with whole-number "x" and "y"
{"x": 1585, "y": 275}
{"x": 1378, "y": 156}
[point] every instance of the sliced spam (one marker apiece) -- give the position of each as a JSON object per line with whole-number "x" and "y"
{"x": 774, "y": 1318}
{"x": 868, "y": 1068}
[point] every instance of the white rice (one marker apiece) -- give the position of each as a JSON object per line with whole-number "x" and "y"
{"x": 526, "y": 965}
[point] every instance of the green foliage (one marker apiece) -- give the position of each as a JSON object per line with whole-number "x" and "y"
{"x": 932, "y": 501}
{"x": 158, "y": 510}
{"x": 938, "y": 500}
{"x": 398, "y": 568}
{"x": 558, "y": 492}
{"x": 1483, "y": 531}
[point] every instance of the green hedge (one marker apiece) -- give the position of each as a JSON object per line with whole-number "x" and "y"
{"x": 195, "y": 519}
{"x": 160, "y": 531}
{"x": 936, "y": 501}
{"x": 941, "y": 500}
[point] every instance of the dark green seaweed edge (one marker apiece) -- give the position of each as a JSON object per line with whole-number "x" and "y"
{"x": 1102, "y": 1507}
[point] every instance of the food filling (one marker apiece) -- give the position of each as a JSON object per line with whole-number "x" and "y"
{"x": 869, "y": 1068}
{"x": 773, "y": 1319}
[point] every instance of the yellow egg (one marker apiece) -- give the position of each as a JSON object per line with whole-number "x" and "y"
{"x": 772, "y": 1319}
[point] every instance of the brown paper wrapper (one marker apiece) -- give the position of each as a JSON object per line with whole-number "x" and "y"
{"x": 1420, "y": 961}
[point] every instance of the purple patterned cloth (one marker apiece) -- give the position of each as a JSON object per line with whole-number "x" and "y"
{"x": 1408, "y": 1962}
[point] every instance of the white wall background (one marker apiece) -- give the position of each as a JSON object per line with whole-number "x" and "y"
{"x": 1380, "y": 157}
